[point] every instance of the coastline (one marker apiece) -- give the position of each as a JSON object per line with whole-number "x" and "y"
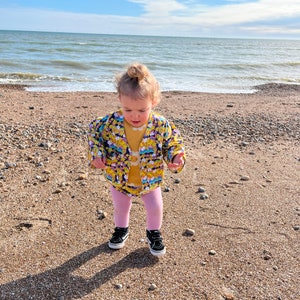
{"x": 243, "y": 149}
{"x": 283, "y": 87}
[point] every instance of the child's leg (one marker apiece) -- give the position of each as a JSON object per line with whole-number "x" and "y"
{"x": 154, "y": 209}
{"x": 122, "y": 206}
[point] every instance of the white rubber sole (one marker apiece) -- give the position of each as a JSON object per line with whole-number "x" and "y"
{"x": 158, "y": 253}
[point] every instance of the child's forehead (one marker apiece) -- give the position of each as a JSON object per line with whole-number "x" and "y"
{"x": 133, "y": 103}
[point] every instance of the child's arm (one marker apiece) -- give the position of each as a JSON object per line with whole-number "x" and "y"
{"x": 96, "y": 152}
{"x": 174, "y": 153}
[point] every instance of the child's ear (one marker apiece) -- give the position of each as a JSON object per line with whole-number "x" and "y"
{"x": 154, "y": 102}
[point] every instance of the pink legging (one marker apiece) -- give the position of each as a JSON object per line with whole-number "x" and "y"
{"x": 152, "y": 202}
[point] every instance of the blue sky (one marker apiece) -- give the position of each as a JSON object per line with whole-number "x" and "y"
{"x": 206, "y": 18}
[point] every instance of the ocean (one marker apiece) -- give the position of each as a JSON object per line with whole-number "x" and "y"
{"x": 48, "y": 61}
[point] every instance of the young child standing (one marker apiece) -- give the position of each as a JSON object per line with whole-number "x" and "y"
{"x": 131, "y": 146}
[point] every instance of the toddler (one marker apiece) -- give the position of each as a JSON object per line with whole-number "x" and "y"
{"x": 131, "y": 146}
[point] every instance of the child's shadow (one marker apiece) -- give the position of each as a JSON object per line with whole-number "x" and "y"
{"x": 61, "y": 283}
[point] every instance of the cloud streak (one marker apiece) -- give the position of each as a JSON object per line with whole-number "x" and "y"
{"x": 229, "y": 14}
{"x": 169, "y": 17}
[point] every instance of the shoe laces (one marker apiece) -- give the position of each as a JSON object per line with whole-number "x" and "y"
{"x": 119, "y": 232}
{"x": 155, "y": 235}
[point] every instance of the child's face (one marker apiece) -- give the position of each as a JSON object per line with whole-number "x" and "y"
{"x": 136, "y": 111}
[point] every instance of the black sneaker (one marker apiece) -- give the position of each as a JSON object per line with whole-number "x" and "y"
{"x": 154, "y": 238}
{"x": 118, "y": 238}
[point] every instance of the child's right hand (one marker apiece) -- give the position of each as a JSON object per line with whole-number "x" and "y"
{"x": 98, "y": 163}
{"x": 178, "y": 162}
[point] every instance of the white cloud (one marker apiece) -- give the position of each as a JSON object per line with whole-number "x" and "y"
{"x": 234, "y": 13}
{"x": 168, "y": 17}
{"x": 160, "y": 8}
{"x": 208, "y": 18}
{"x": 242, "y": 13}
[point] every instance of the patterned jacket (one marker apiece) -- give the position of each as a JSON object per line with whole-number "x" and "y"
{"x": 161, "y": 142}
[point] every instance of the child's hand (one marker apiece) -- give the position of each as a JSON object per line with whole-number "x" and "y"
{"x": 98, "y": 163}
{"x": 178, "y": 162}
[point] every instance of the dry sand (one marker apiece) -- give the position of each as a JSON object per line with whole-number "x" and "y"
{"x": 243, "y": 150}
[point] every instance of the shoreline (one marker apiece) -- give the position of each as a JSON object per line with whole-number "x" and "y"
{"x": 242, "y": 150}
{"x": 262, "y": 88}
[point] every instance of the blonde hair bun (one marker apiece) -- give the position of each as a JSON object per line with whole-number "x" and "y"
{"x": 138, "y": 83}
{"x": 137, "y": 71}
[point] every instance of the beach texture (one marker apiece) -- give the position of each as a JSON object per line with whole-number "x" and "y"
{"x": 231, "y": 217}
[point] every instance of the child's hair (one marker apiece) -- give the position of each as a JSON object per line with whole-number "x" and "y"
{"x": 138, "y": 83}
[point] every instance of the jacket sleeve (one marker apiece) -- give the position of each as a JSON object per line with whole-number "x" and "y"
{"x": 95, "y": 138}
{"x": 173, "y": 143}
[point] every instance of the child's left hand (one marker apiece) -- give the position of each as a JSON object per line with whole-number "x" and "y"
{"x": 177, "y": 163}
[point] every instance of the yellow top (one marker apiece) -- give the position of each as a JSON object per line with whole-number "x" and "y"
{"x": 134, "y": 136}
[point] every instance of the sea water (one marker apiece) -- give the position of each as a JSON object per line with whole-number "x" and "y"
{"x": 48, "y": 61}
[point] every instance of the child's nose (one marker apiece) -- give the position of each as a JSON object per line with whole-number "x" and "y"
{"x": 136, "y": 114}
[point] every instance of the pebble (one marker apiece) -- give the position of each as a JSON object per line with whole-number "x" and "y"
{"x": 201, "y": 190}
{"x": 234, "y": 182}
{"x": 167, "y": 189}
{"x": 101, "y": 214}
{"x": 296, "y": 227}
{"x": 152, "y": 287}
{"x": 227, "y": 294}
{"x": 46, "y": 145}
{"x": 203, "y": 196}
{"x": 82, "y": 176}
{"x": 189, "y": 232}
{"x": 118, "y": 286}
{"x": 212, "y": 252}
{"x": 267, "y": 255}
{"x": 177, "y": 180}
{"x": 245, "y": 178}
{"x": 10, "y": 165}
{"x": 244, "y": 144}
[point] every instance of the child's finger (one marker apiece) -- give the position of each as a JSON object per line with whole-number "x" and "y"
{"x": 180, "y": 155}
{"x": 174, "y": 165}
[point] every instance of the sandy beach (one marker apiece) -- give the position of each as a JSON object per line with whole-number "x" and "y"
{"x": 231, "y": 218}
